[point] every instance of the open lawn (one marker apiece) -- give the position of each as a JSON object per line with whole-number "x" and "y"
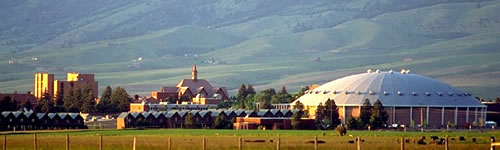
{"x": 252, "y": 139}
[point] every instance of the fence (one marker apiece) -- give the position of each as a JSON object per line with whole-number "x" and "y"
{"x": 218, "y": 142}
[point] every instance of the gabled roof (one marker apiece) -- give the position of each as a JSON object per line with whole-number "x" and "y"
{"x": 51, "y": 115}
{"x": 274, "y": 111}
{"x": 6, "y": 113}
{"x": 262, "y": 112}
{"x": 284, "y": 111}
{"x": 182, "y": 113}
{"x": 169, "y": 89}
{"x": 73, "y": 115}
{"x": 123, "y": 115}
{"x": 134, "y": 114}
{"x": 157, "y": 114}
{"x": 16, "y": 113}
{"x": 28, "y": 114}
{"x": 239, "y": 111}
{"x": 203, "y": 113}
{"x": 228, "y": 112}
{"x": 170, "y": 114}
{"x": 145, "y": 114}
{"x": 62, "y": 115}
{"x": 194, "y": 86}
{"x": 194, "y": 112}
{"x": 40, "y": 115}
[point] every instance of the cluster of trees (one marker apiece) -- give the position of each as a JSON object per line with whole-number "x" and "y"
{"x": 246, "y": 97}
{"x": 327, "y": 116}
{"x": 9, "y": 104}
{"x": 113, "y": 101}
{"x": 79, "y": 99}
{"x": 370, "y": 116}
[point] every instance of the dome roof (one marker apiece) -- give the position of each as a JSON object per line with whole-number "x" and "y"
{"x": 392, "y": 89}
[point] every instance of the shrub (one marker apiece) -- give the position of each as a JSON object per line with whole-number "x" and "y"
{"x": 341, "y": 130}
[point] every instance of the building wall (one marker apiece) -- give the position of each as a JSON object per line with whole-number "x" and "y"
{"x": 44, "y": 83}
{"x": 138, "y": 107}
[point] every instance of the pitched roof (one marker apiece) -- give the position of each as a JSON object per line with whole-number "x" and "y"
{"x": 194, "y": 86}
{"x": 6, "y": 113}
{"x": 157, "y": 114}
{"x": 51, "y": 115}
{"x": 169, "y": 89}
{"x": 40, "y": 115}
{"x": 123, "y": 115}
{"x": 73, "y": 115}
{"x": 169, "y": 114}
{"x": 262, "y": 112}
{"x": 62, "y": 115}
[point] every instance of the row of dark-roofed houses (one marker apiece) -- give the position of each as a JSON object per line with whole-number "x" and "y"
{"x": 201, "y": 118}
{"x": 18, "y": 120}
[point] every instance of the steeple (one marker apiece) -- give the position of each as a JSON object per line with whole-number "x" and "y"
{"x": 194, "y": 73}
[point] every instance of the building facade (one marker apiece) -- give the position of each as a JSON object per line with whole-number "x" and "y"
{"x": 45, "y": 83}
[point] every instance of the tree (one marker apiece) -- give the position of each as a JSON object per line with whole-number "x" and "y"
{"x": 120, "y": 99}
{"x": 59, "y": 98}
{"x": 296, "y": 120}
{"x": 332, "y": 112}
{"x": 341, "y": 130}
{"x": 250, "y": 90}
{"x": 46, "y": 104}
{"x": 365, "y": 113}
{"x": 378, "y": 116}
{"x": 104, "y": 104}
{"x": 283, "y": 90}
{"x": 87, "y": 99}
{"x": 189, "y": 121}
{"x": 298, "y": 105}
{"x": 301, "y": 92}
{"x": 7, "y": 104}
{"x": 70, "y": 102}
{"x": 352, "y": 123}
{"x": 242, "y": 92}
{"x": 27, "y": 105}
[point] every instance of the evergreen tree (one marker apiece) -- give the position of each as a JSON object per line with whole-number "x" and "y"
{"x": 27, "y": 105}
{"x": 332, "y": 112}
{"x": 250, "y": 90}
{"x": 88, "y": 101}
{"x": 301, "y": 92}
{"x": 104, "y": 104}
{"x": 296, "y": 120}
{"x": 365, "y": 113}
{"x": 59, "y": 98}
{"x": 7, "y": 104}
{"x": 283, "y": 90}
{"x": 70, "y": 102}
{"x": 242, "y": 92}
{"x": 46, "y": 104}
{"x": 352, "y": 123}
{"x": 249, "y": 102}
{"x": 378, "y": 116}
{"x": 120, "y": 99}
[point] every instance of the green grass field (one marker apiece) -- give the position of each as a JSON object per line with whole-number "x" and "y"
{"x": 228, "y": 139}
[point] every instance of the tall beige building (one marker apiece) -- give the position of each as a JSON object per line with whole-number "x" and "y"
{"x": 44, "y": 83}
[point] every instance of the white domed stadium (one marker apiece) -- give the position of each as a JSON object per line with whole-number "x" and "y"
{"x": 405, "y": 97}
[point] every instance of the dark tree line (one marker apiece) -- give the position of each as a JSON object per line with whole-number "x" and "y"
{"x": 246, "y": 97}
{"x": 79, "y": 99}
{"x": 370, "y": 116}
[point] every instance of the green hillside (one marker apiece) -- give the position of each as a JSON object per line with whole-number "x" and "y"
{"x": 144, "y": 45}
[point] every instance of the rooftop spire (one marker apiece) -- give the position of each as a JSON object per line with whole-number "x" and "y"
{"x": 194, "y": 73}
